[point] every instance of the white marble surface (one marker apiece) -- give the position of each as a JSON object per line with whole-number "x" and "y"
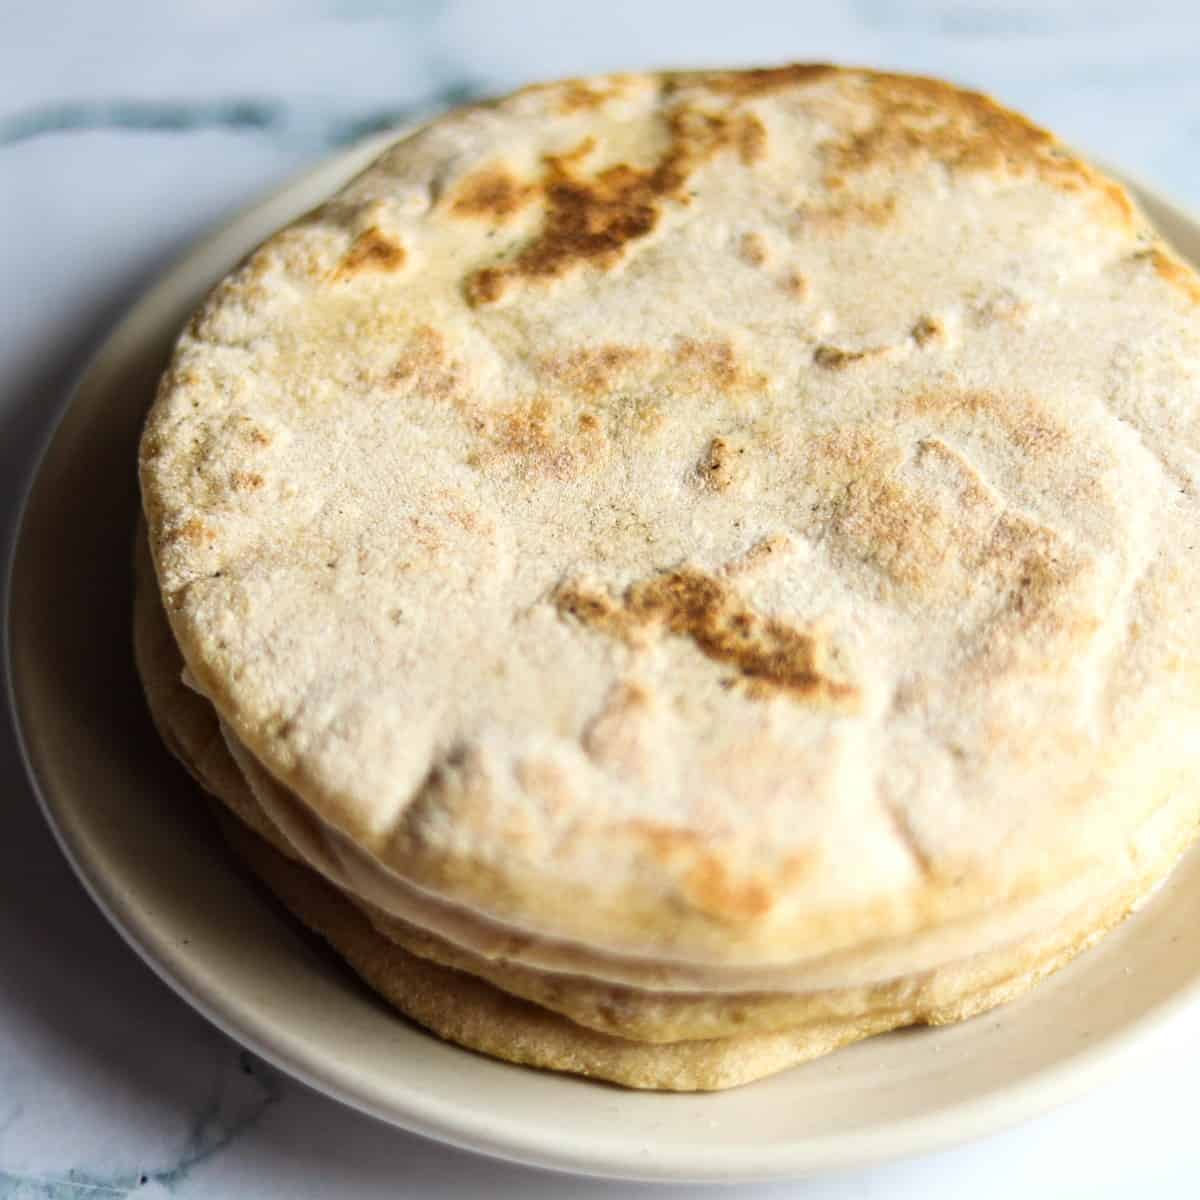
{"x": 126, "y": 129}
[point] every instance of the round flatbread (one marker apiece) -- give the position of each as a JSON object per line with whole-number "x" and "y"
{"x": 571, "y": 1023}
{"x": 722, "y": 519}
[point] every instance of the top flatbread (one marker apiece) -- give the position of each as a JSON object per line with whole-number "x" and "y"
{"x": 719, "y": 516}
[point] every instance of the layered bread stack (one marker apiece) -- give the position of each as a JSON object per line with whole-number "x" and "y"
{"x": 672, "y": 574}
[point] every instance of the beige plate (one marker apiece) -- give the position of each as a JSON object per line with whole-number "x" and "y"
{"x": 127, "y": 818}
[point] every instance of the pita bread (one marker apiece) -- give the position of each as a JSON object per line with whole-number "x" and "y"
{"x": 569, "y": 1023}
{"x": 465, "y": 1010}
{"x": 722, "y": 517}
{"x": 718, "y": 539}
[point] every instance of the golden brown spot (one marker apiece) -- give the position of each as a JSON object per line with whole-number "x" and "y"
{"x": 715, "y": 469}
{"x": 372, "y": 250}
{"x": 928, "y": 329}
{"x": 834, "y": 358}
{"x": 794, "y": 284}
{"x": 688, "y": 602}
{"x": 246, "y": 481}
{"x": 840, "y": 215}
{"x": 848, "y": 451}
{"x": 924, "y": 525}
{"x": 1176, "y": 273}
{"x": 592, "y": 371}
{"x": 752, "y": 249}
{"x": 526, "y": 429}
{"x": 917, "y": 119}
{"x": 666, "y": 842}
{"x": 902, "y": 531}
{"x": 485, "y": 286}
{"x": 593, "y": 219}
{"x": 530, "y": 433}
{"x": 586, "y": 221}
{"x": 588, "y": 422}
{"x": 712, "y": 365}
{"x": 926, "y": 118}
{"x": 714, "y": 361}
{"x": 261, "y": 262}
{"x": 933, "y": 525}
{"x": 425, "y": 368}
{"x": 1045, "y": 617}
{"x": 594, "y": 608}
{"x": 751, "y": 140}
{"x": 258, "y": 437}
{"x": 767, "y": 80}
{"x": 709, "y": 888}
{"x": 196, "y": 532}
{"x": 577, "y": 154}
{"x": 1020, "y": 418}
{"x": 597, "y": 372}
{"x": 706, "y": 882}
{"x": 1037, "y": 437}
{"x": 1118, "y": 197}
{"x": 579, "y": 96}
{"x": 491, "y": 193}
{"x": 929, "y": 521}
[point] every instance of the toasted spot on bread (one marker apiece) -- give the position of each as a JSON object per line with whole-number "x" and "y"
{"x": 752, "y": 249}
{"x": 835, "y": 358}
{"x": 196, "y": 532}
{"x": 916, "y": 118}
{"x": 372, "y": 250}
{"x": 716, "y": 466}
{"x": 665, "y": 841}
{"x": 746, "y": 84}
{"x": 794, "y": 284}
{"x": 710, "y": 888}
{"x": 751, "y": 140}
{"x": 768, "y": 652}
{"x": 1176, "y": 273}
{"x": 712, "y": 363}
{"x": 536, "y": 437}
{"x": 578, "y": 95}
{"x": 847, "y": 212}
{"x": 492, "y": 193}
{"x": 425, "y": 367}
{"x": 592, "y": 219}
{"x": 928, "y": 329}
{"x": 592, "y": 370}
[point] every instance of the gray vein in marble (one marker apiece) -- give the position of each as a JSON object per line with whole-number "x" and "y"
{"x": 316, "y": 126}
{"x": 227, "y": 1115}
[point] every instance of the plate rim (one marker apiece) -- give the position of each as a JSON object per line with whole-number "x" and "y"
{"x": 1034, "y": 1094}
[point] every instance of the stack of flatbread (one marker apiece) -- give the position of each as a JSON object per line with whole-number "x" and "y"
{"x": 671, "y": 574}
